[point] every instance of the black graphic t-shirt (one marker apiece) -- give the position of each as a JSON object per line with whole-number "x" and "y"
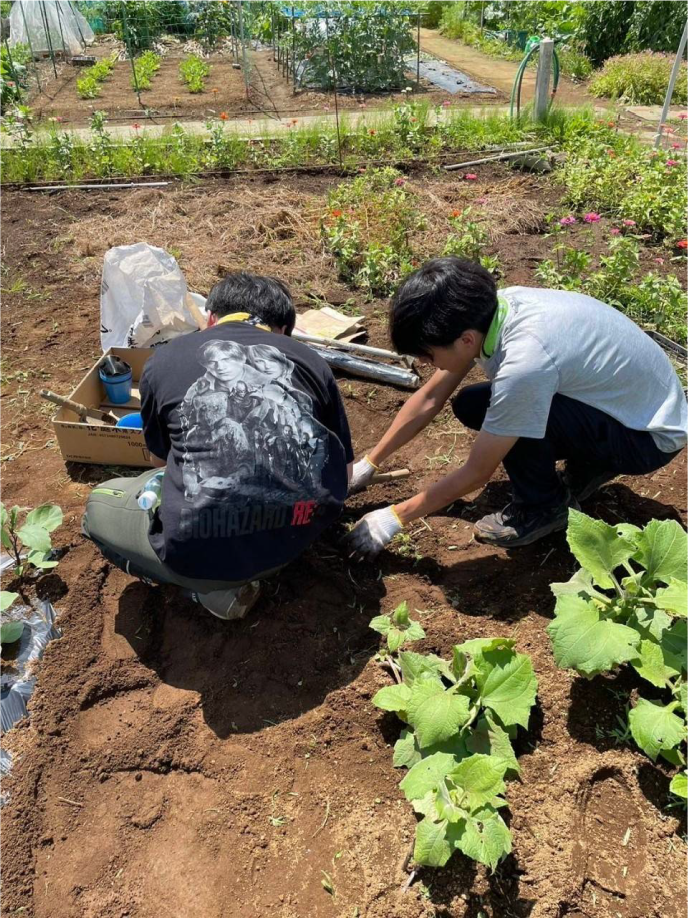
{"x": 256, "y": 439}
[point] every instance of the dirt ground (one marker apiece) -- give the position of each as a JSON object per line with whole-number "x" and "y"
{"x": 270, "y": 93}
{"x": 175, "y": 765}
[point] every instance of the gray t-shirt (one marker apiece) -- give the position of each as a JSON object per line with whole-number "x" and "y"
{"x": 556, "y": 341}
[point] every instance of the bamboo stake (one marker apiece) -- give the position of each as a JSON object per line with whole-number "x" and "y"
{"x": 493, "y": 159}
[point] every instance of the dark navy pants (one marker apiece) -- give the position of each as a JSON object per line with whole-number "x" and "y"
{"x": 587, "y": 438}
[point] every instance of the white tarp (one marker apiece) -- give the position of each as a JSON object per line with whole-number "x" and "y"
{"x": 144, "y": 298}
{"x": 67, "y": 27}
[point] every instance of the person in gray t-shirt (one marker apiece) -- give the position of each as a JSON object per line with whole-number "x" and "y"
{"x": 568, "y": 378}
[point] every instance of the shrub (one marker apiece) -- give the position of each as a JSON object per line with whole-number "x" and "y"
{"x": 145, "y": 66}
{"x": 367, "y": 229}
{"x": 641, "y": 79}
{"x": 194, "y": 71}
{"x": 468, "y": 240}
{"x": 575, "y": 64}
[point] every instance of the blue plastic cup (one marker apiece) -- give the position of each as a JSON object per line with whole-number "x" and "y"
{"x": 132, "y": 420}
{"x": 118, "y": 386}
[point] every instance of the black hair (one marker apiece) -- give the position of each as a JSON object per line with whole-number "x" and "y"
{"x": 264, "y": 297}
{"x": 436, "y": 304}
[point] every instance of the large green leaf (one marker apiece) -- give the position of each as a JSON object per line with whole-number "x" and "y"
{"x": 480, "y": 777}
{"x": 655, "y": 727}
{"x": 510, "y": 687}
{"x": 586, "y": 642}
{"x": 393, "y": 698}
{"x": 581, "y": 582}
{"x": 35, "y": 537}
{"x": 434, "y": 712}
{"x": 426, "y": 775}
{"x": 650, "y": 623}
{"x": 678, "y": 785}
{"x": 476, "y": 646}
{"x": 485, "y": 838}
{"x": 651, "y": 665}
{"x": 418, "y": 666}
{"x": 406, "y": 752}
{"x": 663, "y": 550}
{"x": 380, "y": 624}
{"x": 673, "y": 641}
{"x": 432, "y": 846}
{"x": 48, "y": 516}
{"x": 597, "y": 547}
{"x": 7, "y": 598}
{"x": 11, "y": 632}
{"x": 489, "y": 738}
{"x": 673, "y": 597}
{"x": 445, "y": 806}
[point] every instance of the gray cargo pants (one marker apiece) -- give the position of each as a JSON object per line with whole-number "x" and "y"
{"x": 116, "y": 524}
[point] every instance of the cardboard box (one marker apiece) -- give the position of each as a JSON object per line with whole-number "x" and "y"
{"x": 84, "y": 442}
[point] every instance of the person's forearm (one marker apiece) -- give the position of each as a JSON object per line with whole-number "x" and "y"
{"x": 442, "y": 493}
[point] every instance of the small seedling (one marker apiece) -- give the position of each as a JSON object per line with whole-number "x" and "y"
{"x": 398, "y": 629}
{"x": 32, "y": 538}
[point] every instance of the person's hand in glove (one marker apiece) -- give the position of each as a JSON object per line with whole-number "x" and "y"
{"x": 374, "y": 531}
{"x": 362, "y": 473}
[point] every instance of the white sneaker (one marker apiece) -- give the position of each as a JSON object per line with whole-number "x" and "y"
{"x": 233, "y": 603}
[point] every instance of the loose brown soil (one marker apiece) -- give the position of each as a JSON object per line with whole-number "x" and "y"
{"x": 175, "y": 765}
{"x": 270, "y": 93}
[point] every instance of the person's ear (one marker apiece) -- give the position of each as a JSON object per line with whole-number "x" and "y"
{"x": 212, "y": 320}
{"x": 279, "y": 329}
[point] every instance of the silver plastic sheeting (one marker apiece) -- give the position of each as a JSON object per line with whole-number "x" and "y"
{"x": 18, "y": 677}
{"x": 446, "y": 77}
{"x": 67, "y": 28}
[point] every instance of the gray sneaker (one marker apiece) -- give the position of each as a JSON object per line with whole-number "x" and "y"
{"x": 520, "y": 525}
{"x": 233, "y": 603}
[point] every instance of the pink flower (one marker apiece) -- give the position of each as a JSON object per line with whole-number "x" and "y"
{"x": 480, "y": 200}
{"x": 629, "y": 223}
{"x": 470, "y": 175}
{"x": 676, "y": 146}
{"x": 447, "y": 103}
{"x": 659, "y": 261}
{"x": 567, "y": 221}
{"x": 669, "y": 130}
{"x": 136, "y": 126}
{"x": 611, "y": 153}
{"x": 682, "y": 116}
{"x": 591, "y": 217}
{"x": 399, "y": 181}
{"x": 615, "y": 231}
{"x": 671, "y": 162}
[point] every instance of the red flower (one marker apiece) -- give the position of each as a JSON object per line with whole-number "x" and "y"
{"x": 611, "y": 124}
{"x": 372, "y": 132}
{"x": 681, "y": 244}
{"x": 223, "y": 116}
{"x": 611, "y": 153}
{"x": 136, "y": 126}
{"x": 456, "y": 214}
{"x": 336, "y": 213}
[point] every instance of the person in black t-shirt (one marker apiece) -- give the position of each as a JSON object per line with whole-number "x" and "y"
{"x": 250, "y": 428}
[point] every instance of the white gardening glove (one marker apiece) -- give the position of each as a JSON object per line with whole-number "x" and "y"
{"x": 362, "y": 473}
{"x": 374, "y": 531}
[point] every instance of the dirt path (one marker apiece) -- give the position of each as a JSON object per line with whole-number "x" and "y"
{"x": 494, "y": 71}
{"x": 178, "y": 766}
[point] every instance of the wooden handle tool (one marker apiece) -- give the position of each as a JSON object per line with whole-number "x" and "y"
{"x": 83, "y": 411}
{"x": 379, "y": 478}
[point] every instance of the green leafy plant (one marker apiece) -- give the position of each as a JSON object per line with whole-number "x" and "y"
{"x": 194, "y": 71}
{"x": 89, "y": 84}
{"x": 640, "y": 79}
{"x": 30, "y": 538}
{"x": 468, "y": 240}
{"x": 397, "y": 629}
{"x": 368, "y": 228}
{"x": 145, "y": 67}
{"x": 461, "y": 718}
{"x": 627, "y": 604}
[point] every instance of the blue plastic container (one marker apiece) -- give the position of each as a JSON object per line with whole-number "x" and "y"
{"x": 116, "y": 376}
{"x": 132, "y": 420}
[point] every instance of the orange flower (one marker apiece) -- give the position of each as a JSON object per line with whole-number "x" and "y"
{"x": 456, "y": 214}
{"x": 215, "y": 89}
{"x": 223, "y": 116}
{"x": 336, "y": 213}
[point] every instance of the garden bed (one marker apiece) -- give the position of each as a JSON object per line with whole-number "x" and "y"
{"x": 225, "y": 91}
{"x": 175, "y": 765}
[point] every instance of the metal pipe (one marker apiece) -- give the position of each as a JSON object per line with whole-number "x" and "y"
{"x": 76, "y": 19}
{"x": 370, "y": 370}
{"x": 499, "y": 156}
{"x": 58, "y": 7}
{"x": 121, "y": 185}
{"x": 44, "y": 17}
{"x": 671, "y": 87}
{"x": 351, "y": 346}
{"x": 28, "y": 40}
{"x": 128, "y": 43}
{"x": 243, "y": 39}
